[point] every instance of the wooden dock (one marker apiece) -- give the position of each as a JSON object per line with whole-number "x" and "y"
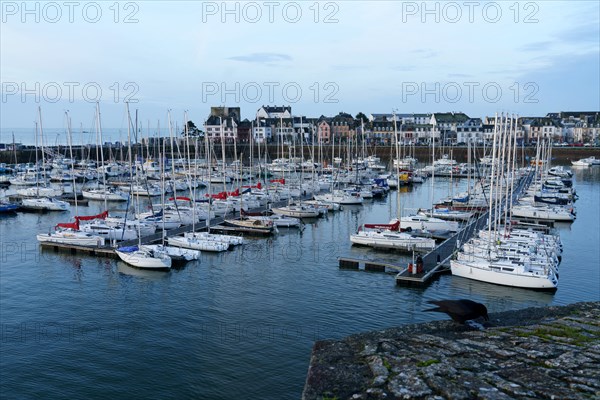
{"x": 109, "y": 251}
{"x": 101, "y": 251}
{"x": 436, "y": 261}
{"x": 369, "y": 265}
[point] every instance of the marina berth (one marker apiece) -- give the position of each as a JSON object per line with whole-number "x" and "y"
{"x": 71, "y": 237}
{"x": 280, "y": 221}
{"x": 387, "y": 239}
{"x": 110, "y": 194}
{"x": 144, "y": 258}
{"x": 297, "y": 211}
{"x": 195, "y": 243}
{"x": 506, "y": 273}
{"x": 44, "y": 204}
{"x": 40, "y": 192}
{"x": 421, "y": 222}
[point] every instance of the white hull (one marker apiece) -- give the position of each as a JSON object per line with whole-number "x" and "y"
{"x": 419, "y": 222}
{"x": 73, "y": 238}
{"x": 176, "y": 253}
{"x": 228, "y": 239}
{"x": 480, "y": 271}
{"x": 280, "y": 221}
{"x": 342, "y": 198}
{"x": 542, "y": 213}
{"x": 581, "y": 163}
{"x": 297, "y": 211}
{"x": 45, "y": 204}
{"x": 99, "y": 194}
{"x": 197, "y": 244}
{"x": 45, "y": 191}
{"x": 449, "y": 215}
{"x": 392, "y": 240}
{"x": 109, "y": 232}
{"x": 146, "y": 259}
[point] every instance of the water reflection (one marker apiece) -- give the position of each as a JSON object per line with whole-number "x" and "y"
{"x": 150, "y": 275}
{"x": 496, "y": 297}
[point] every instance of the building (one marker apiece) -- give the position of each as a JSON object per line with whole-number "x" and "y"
{"x": 221, "y": 129}
{"x": 342, "y": 127}
{"x": 244, "y": 131}
{"x": 226, "y": 112}
{"x": 323, "y": 130}
{"x": 448, "y": 124}
{"x": 262, "y": 131}
{"x": 274, "y": 112}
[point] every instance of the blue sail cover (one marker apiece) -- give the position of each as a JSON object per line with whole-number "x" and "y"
{"x": 128, "y": 249}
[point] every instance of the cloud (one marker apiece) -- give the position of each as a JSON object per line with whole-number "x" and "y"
{"x": 404, "y": 68}
{"x": 262, "y": 58}
{"x": 349, "y": 67}
{"x": 536, "y": 46}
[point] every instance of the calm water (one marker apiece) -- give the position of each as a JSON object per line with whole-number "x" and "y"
{"x": 234, "y": 325}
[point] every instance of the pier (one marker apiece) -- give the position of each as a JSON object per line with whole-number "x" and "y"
{"x": 437, "y": 260}
{"x": 109, "y": 250}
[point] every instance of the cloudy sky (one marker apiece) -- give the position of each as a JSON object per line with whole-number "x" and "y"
{"x": 319, "y": 57}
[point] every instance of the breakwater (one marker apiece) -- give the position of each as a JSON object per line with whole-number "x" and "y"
{"x": 549, "y": 352}
{"x": 422, "y": 153}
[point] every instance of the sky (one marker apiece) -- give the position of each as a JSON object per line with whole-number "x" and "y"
{"x": 321, "y": 58}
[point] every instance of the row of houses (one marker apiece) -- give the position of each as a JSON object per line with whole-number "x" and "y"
{"x": 278, "y": 124}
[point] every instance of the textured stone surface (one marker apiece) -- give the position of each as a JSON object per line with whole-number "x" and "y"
{"x": 536, "y": 353}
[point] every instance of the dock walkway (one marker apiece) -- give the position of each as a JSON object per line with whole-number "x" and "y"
{"x": 109, "y": 251}
{"x": 434, "y": 262}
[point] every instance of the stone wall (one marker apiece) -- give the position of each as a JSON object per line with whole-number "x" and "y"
{"x": 550, "y": 352}
{"x": 561, "y": 155}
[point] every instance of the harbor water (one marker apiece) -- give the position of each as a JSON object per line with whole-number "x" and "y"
{"x": 232, "y": 325}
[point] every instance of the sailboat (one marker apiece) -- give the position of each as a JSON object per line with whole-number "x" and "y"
{"x": 389, "y": 236}
{"x": 177, "y": 254}
{"x": 204, "y": 241}
{"x": 41, "y": 202}
{"x": 420, "y": 222}
{"x": 140, "y": 256}
{"x": 501, "y": 255}
{"x": 69, "y": 233}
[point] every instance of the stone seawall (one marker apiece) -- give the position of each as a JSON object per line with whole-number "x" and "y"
{"x": 561, "y": 155}
{"x": 550, "y": 352}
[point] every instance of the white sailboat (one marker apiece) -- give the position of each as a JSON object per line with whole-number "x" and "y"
{"x": 71, "y": 237}
{"x": 389, "y": 236}
{"x": 40, "y": 202}
{"x": 501, "y": 257}
{"x": 140, "y": 256}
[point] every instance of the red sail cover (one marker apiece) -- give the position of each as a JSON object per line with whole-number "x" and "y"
{"x": 282, "y": 181}
{"x": 218, "y": 196}
{"x": 69, "y": 225}
{"x": 91, "y": 217}
{"x": 391, "y": 227}
{"x": 257, "y": 186}
{"x": 235, "y": 193}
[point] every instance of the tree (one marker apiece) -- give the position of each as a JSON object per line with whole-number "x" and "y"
{"x": 192, "y": 129}
{"x": 360, "y": 116}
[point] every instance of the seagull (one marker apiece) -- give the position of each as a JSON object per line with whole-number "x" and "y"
{"x": 460, "y": 311}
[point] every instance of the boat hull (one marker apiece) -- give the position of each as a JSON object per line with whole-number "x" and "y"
{"x": 482, "y": 274}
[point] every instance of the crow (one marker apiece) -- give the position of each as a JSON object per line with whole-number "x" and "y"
{"x": 460, "y": 310}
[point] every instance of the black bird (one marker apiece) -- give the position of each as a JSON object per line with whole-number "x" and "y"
{"x": 460, "y": 310}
